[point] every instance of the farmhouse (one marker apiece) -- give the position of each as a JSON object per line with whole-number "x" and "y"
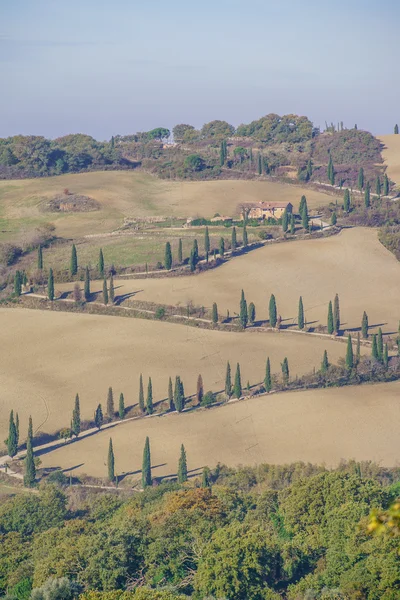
{"x": 266, "y": 210}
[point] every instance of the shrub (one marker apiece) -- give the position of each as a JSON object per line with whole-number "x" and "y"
{"x": 208, "y": 399}
{"x": 160, "y": 312}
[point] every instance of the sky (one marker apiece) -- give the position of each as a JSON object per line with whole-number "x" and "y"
{"x": 121, "y": 66}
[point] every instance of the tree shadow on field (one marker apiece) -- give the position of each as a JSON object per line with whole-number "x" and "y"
{"x": 191, "y": 474}
{"x": 374, "y": 326}
{"x": 119, "y": 299}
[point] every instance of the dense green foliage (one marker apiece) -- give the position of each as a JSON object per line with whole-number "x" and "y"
{"x": 271, "y": 532}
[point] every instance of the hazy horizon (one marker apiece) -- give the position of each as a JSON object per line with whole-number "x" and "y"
{"x": 104, "y": 69}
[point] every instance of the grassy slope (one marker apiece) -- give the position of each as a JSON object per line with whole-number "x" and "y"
{"x": 131, "y": 194}
{"x": 391, "y": 156}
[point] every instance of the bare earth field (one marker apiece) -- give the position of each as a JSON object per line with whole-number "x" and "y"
{"x": 391, "y": 155}
{"x": 320, "y": 426}
{"x": 132, "y": 194}
{"x": 353, "y": 264}
{"x": 47, "y": 357}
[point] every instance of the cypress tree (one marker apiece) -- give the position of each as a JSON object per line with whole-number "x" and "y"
{"x": 73, "y": 265}
{"x": 330, "y": 319}
{"x": 17, "y": 428}
{"x": 110, "y": 404}
{"x": 98, "y": 416}
{"x": 268, "y": 378}
{"x": 192, "y": 261}
{"x": 396, "y": 129}
{"x": 30, "y": 429}
{"x": 243, "y": 311}
{"x": 292, "y": 224}
{"x": 182, "y": 466}
{"x": 349, "y": 354}
{"x": 180, "y": 251}
{"x": 237, "y": 387}
{"x": 111, "y": 462}
{"x": 380, "y": 344}
{"x": 346, "y": 201}
{"x": 285, "y": 371}
{"x": 40, "y": 258}
{"x": 228, "y": 380}
{"x": 101, "y": 263}
{"x": 170, "y": 395}
{"x": 386, "y": 185}
{"x": 195, "y": 252}
{"x": 222, "y": 154}
{"x": 336, "y": 314}
{"x": 215, "y": 313}
{"x": 324, "y": 363}
{"x": 205, "y": 480}
{"x": 386, "y": 356}
{"x": 76, "y": 417}
{"x": 206, "y": 242}
{"x": 112, "y": 291}
{"x": 300, "y": 318}
{"x": 252, "y": 313}
{"x": 12, "y": 442}
{"x": 17, "y": 283}
{"x": 378, "y": 185}
{"x": 141, "y": 393}
{"x": 168, "y": 256}
{"x": 303, "y": 201}
{"x": 304, "y": 215}
{"x": 360, "y": 181}
{"x": 105, "y": 291}
{"x": 358, "y": 348}
{"x": 272, "y": 311}
{"x": 331, "y": 171}
{"x": 259, "y": 164}
{"x": 121, "y": 406}
{"x": 367, "y": 195}
{"x": 221, "y": 247}
{"x": 245, "y": 237}
{"x": 364, "y": 325}
{"x": 285, "y": 221}
{"x": 199, "y": 389}
{"x": 146, "y": 466}
{"x": 87, "y": 285}
{"x": 29, "y": 464}
{"x": 234, "y": 240}
{"x": 374, "y": 352}
{"x": 179, "y": 399}
{"x": 50, "y": 285}
{"x": 333, "y": 218}
{"x": 149, "y": 400}
{"x": 309, "y": 169}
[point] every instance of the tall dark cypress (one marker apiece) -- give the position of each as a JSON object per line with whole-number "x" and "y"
{"x": 228, "y": 380}
{"x": 331, "y": 171}
{"x": 360, "y": 181}
{"x": 40, "y": 258}
{"x": 105, "y": 292}
{"x": 245, "y": 237}
{"x": 170, "y": 395}
{"x": 222, "y": 154}
{"x": 237, "y": 387}
{"x": 268, "y": 378}
{"x": 221, "y": 247}
{"x": 285, "y": 371}
{"x": 76, "y": 417}
{"x": 87, "y": 285}
{"x": 374, "y": 351}
{"x": 349, "y": 354}
{"x": 386, "y": 185}
{"x": 214, "y": 316}
{"x": 385, "y": 358}
{"x": 101, "y": 263}
{"x": 121, "y": 406}
{"x": 17, "y": 429}
{"x": 358, "y": 349}
{"x": 168, "y": 256}
{"x": 29, "y": 464}
{"x": 324, "y": 363}
{"x": 17, "y": 283}
{"x": 273, "y": 316}
{"x": 303, "y": 201}
{"x": 73, "y": 265}
{"x": 111, "y": 462}
{"x": 259, "y": 164}
{"x": 336, "y": 314}
{"x": 234, "y": 240}
{"x": 380, "y": 344}
{"x": 30, "y": 429}
{"x": 199, "y": 389}
{"x": 12, "y": 442}
{"x": 98, "y": 416}
{"x": 112, "y": 290}
{"x": 179, "y": 398}
{"x": 206, "y": 242}
{"x": 50, "y": 285}
{"x": 141, "y": 393}
{"x": 367, "y": 195}
{"x": 180, "y": 251}
{"x": 285, "y": 221}
{"x": 300, "y": 318}
{"x": 244, "y": 317}
{"x": 292, "y": 224}
{"x": 195, "y": 252}
{"x": 182, "y": 466}
{"x": 331, "y": 327}
{"x": 346, "y": 201}
{"x": 304, "y": 215}
{"x": 378, "y": 186}
{"x": 146, "y": 465}
{"x": 205, "y": 480}
{"x": 149, "y": 400}
{"x": 252, "y": 313}
{"x": 364, "y": 325}
{"x": 396, "y": 129}
{"x": 110, "y": 404}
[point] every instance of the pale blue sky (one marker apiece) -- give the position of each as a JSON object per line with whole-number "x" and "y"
{"x": 120, "y": 66}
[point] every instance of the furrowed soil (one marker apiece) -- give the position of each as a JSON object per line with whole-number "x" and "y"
{"x": 48, "y": 357}
{"x": 391, "y": 156}
{"x": 132, "y": 194}
{"x": 353, "y": 264}
{"x": 319, "y": 426}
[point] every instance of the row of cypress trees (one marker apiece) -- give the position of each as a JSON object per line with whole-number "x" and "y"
{"x": 12, "y": 443}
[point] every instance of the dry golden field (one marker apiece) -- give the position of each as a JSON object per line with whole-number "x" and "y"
{"x": 391, "y": 156}
{"x": 353, "y": 264}
{"x": 132, "y": 194}
{"x": 47, "y": 357}
{"x": 320, "y": 426}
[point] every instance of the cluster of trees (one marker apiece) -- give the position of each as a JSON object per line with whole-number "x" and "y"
{"x": 13, "y": 445}
{"x": 296, "y": 531}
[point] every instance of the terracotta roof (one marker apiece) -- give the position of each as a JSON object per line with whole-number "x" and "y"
{"x": 269, "y": 205}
